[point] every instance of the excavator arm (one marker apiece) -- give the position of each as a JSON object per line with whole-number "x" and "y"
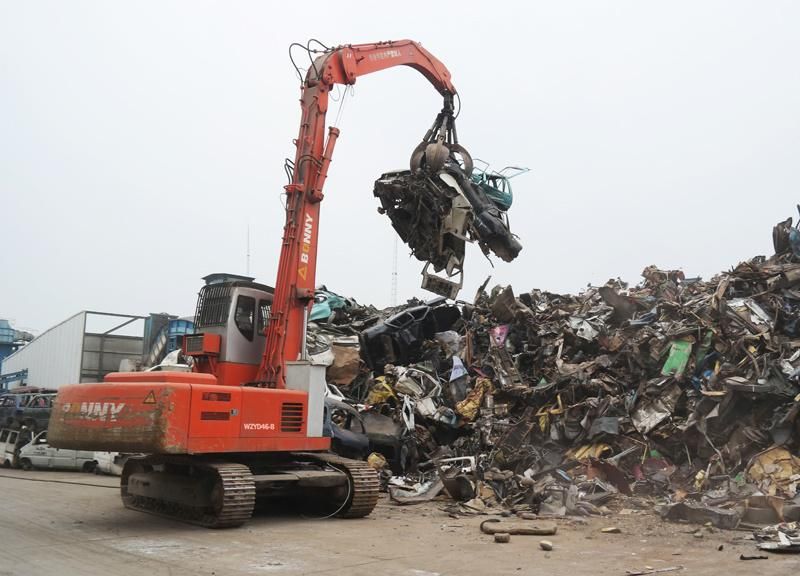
{"x": 344, "y": 64}
{"x": 294, "y": 288}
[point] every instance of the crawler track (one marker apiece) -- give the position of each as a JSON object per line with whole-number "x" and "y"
{"x": 223, "y": 494}
{"x": 364, "y": 484}
{"x": 233, "y": 495}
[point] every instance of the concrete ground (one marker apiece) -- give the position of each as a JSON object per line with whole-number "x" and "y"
{"x": 58, "y": 523}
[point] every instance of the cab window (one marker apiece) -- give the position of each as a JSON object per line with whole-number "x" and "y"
{"x": 263, "y": 315}
{"x": 245, "y": 315}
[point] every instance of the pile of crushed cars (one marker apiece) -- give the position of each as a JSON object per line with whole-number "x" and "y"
{"x": 678, "y": 393}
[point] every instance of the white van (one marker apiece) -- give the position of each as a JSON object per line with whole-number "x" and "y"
{"x": 110, "y": 463}
{"x": 39, "y": 454}
{"x": 8, "y": 444}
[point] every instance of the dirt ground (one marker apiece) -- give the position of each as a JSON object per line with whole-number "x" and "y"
{"x": 69, "y": 523}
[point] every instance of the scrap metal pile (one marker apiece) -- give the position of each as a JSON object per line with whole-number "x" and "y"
{"x": 678, "y": 392}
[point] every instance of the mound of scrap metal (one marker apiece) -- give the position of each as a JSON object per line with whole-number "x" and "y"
{"x": 678, "y": 393}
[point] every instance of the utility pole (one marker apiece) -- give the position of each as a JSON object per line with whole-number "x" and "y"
{"x": 394, "y": 273}
{"x": 248, "y": 249}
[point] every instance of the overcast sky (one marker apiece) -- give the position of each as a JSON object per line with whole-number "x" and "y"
{"x": 139, "y": 140}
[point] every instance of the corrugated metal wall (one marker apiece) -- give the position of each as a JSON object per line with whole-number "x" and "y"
{"x": 102, "y": 354}
{"x": 54, "y": 357}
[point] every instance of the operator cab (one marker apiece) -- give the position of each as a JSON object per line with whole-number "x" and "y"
{"x": 230, "y": 322}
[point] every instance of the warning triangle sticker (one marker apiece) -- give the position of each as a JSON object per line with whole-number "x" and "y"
{"x": 150, "y": 398}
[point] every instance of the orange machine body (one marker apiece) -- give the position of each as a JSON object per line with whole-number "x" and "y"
{"x": 181, "y": 413}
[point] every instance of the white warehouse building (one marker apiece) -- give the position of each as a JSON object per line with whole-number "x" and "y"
{"x": 82, "y": 348}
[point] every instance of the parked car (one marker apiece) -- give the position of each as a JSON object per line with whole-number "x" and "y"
{"x": 110, "y": 463}
{"x": 39, "y": 454}
{"x": 10, "y": 443}
{"x": 36, "y": 413}
{"x": 13, "y": 401}
{"x": 11, "y": 406}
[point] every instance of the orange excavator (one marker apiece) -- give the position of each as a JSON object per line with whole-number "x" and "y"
{"x": 247, "y": 422}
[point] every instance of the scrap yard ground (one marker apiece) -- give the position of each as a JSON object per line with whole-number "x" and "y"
{"x": 71, "y": 523}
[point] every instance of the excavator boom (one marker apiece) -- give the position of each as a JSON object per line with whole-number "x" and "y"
{"x": 294, "y": 287}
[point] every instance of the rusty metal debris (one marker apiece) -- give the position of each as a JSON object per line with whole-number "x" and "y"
{"x": 679, "y": 392}
{"x": 698, "y": 514}
{"x": 653, "y": 570}
{"x": 783, "y": 537}
{"x": 526, "y": 528}
{"x": 439, "y": 207}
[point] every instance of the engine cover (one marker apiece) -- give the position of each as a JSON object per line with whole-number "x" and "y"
{"x": 179, "y": 413}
